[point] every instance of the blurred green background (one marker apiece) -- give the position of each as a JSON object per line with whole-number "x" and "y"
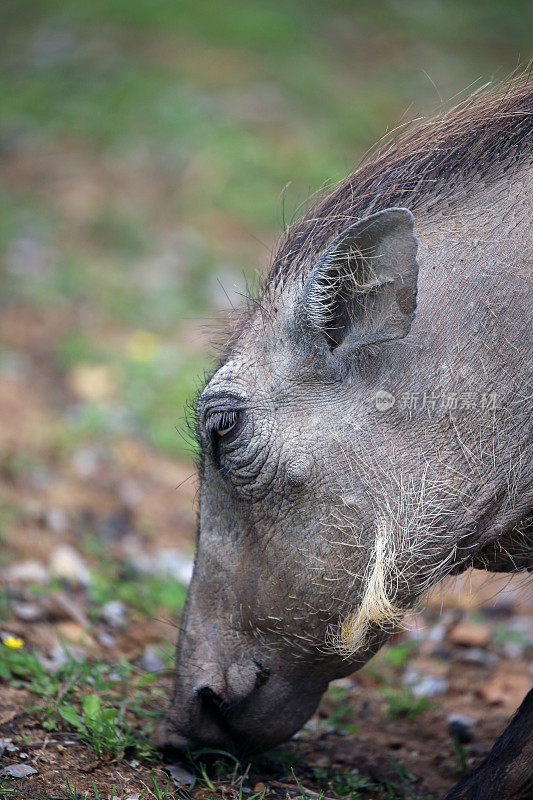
{"x": 151, "y": 150}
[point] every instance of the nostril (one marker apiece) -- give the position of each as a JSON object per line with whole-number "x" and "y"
{"x": 210, "y": 701}
{"x": 241, "y": 681}
{"x": 208, "y": 695}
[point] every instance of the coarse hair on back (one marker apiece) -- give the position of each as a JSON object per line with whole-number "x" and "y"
{"x": 421, "y": 165}
{"x": 425, "y": 163}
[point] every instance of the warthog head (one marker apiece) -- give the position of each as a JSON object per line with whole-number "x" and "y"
{"x": 330, "y": 500}
{"x": 286, "y": 528}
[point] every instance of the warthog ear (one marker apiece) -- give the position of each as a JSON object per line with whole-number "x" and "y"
{"x": 363, "y": 289}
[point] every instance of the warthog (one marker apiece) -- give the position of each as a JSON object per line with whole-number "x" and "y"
{"x": 353, "y": 454}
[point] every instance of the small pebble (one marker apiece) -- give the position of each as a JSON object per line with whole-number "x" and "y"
{"x": 442, "y": 651}
{"x": 67, "y": 563}
{"x": 436, "y": 634}
{"x": 117, "y": 525}
{"x": 27, "y": 612}
{"x": 86, "y": 462}
{"x": 410, "y": 677}
{"x": 56, "y": 658}
{"x": 430, "y": 686}
{"x": 179, "y": 776}
{"x": 25, "y": 572}
{"x": 174, "y": 564}
{"x": 460, "y": 728}
{"x": 106, "y": 640}
{"x": 113, "y": 613}
{"x": 513, "y": 650}
{"x": 476, "y": 655}
{"x": 468, "y": 634}
{"x": 343, "y": 683}
{"x": 17, "y": 771}
{"x": 56, "y": 520}
{"x": 124, "y": 797}
{"x": 151, "y": 662}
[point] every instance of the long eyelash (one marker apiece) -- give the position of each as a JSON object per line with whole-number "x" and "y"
{"x": 220, "y": 420}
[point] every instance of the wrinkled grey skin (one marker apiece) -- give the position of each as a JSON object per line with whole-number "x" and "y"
{"x": 292, "y": 499}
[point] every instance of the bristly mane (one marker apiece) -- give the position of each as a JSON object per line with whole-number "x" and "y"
{"x": 427, "y": 163}
{"x": 484, "y": 135}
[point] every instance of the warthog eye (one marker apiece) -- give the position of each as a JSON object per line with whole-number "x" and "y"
{"x": 222, "y": 422}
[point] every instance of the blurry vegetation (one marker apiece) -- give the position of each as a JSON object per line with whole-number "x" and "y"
{"x": 73, "y": 693}
{"x": 345, "y": 784}
{"x": 401, "y": 702}
{"x": 146, "y": 147}
{"x": 460, "y": 755}
{"x": 341, "y": 714}
{"x": 150, "y": 595}
{"x": 101, "y": 727}
{"x": 397, "y": 655}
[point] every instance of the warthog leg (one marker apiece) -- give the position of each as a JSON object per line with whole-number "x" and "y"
{"x": 507, "y": 772}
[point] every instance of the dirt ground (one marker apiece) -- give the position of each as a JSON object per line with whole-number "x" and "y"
{"x": 384, "y": 732}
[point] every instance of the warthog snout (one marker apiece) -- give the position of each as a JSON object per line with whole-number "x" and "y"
{"x": 242, "y": 708}
{"x": 207, "y": 698}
